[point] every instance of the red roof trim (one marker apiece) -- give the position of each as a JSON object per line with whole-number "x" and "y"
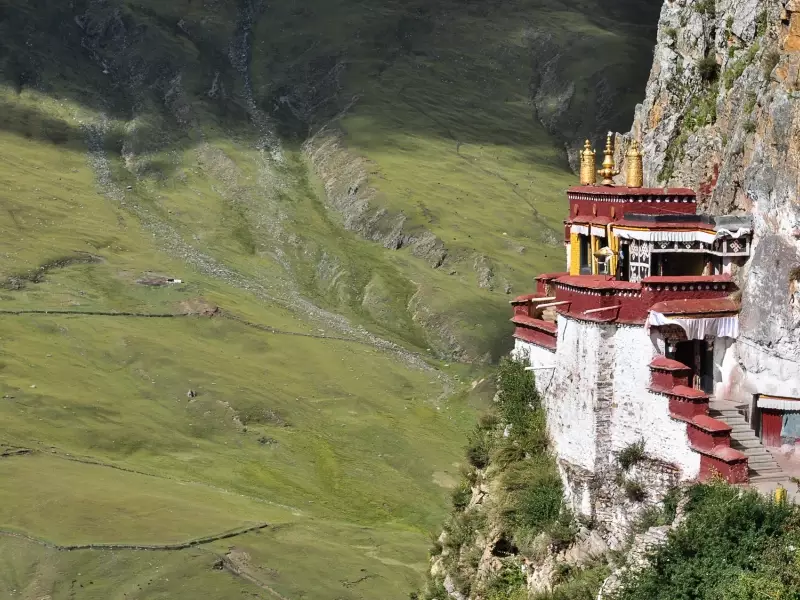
{"x": 613, "y": 190}
{"x": 723, "y": 453}
{"x": 683, "y": 391}
{"x": 656, "y": 279}
{"x": 597, "y": 282}
{"x": 549, "y": 276}
{"x": 525, "y": 299}
{"x": 531, "y": 338}
{"x": 682, "y": 226}
{"x": 667, "y": 364}
{"x": 590, "y": 220}
{"x": 538, "y": 324}
{"x": 711, "y": 306}
{"x": 710, "y": 424}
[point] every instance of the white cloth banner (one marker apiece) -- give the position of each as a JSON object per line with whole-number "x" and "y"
{"x": 598, "y": 232}
{"x": 582, "y": 229}
{"x": 665, "y": 236}
{"x": 778, "y": 403}
{"x": 698, "y": 329}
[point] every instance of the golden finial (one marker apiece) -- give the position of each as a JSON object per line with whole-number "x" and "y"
{"x": 588, "y": 165}
{"x": 634, "y": 175}
{"x": 608, "y": 171}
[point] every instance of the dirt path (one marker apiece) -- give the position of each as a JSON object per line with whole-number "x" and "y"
{"x": 201, "y": 541}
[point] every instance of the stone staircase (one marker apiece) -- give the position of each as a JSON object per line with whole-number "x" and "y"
{"x": 762, "y": 465}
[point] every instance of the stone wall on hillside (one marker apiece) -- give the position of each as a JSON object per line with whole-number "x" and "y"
{"x": 721, "y": 115}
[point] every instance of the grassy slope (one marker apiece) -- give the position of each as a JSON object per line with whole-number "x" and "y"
{"x": 366, "y": 448}
{"x": 362, "y": 440}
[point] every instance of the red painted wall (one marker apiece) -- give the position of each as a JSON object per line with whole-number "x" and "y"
{"x": 735, "y": 472}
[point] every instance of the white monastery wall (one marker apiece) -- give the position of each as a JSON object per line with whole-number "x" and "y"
{"x": 540, "y": 359}
{"x": 641, "y": 415}
{"x": 598, "y": 403}
{"x": 571, "y": 399}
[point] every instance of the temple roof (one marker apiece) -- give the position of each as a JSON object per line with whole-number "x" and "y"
{"x": 684, "y": 225}
{"x": 590, "y": 220}
{"x": 711, "y": 307}
{"x": 597, "y": 282}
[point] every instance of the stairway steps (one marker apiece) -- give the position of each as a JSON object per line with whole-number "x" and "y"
{"x": 762, "y": 465}
{"x": 745, "y": 438}
{"x": 753, "y": 443}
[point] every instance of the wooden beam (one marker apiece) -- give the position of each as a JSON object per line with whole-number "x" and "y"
{"x": 547, "y": 299}
{"x": 597, "y": 310}
{"x": 554, "y": 304}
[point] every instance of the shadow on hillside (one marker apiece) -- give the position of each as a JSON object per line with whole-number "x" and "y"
{"x": 459, "y": 70}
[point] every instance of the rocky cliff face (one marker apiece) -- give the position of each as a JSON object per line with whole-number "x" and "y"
{"x": 721, "y": 115}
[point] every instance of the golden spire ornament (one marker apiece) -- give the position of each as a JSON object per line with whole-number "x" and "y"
{"x": 634, "y": 171}
{"x": 588, "y": 165}
{"x": 609, "y": 170}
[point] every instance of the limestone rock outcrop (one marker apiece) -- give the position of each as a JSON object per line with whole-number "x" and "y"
{"x": 721, "y": 115}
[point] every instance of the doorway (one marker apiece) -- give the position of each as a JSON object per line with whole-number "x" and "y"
{"x": 698, "y": 355}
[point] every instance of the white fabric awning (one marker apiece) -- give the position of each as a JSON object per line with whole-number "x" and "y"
{"x": 698, "y": 329}
{"x": 598, "y": 231}
{"x": 582, "y": 229}
{"x": 733, "y": 234}
{"x": 665, "y": 236}
{"x": 778, "y": 403}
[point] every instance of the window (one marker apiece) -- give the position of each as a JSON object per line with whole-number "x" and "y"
{"x": 586, "y": 254}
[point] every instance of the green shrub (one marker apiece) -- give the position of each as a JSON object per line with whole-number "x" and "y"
{"x": 634, "y": 491}
{"x": 478, "y": 448}
{"x": 517, "y": 394}
{"x": 436, "y": 546}
{"x": 750, "y": 102}
{"x": 631, "y": 455}
{"x": 762, "y": 22}
{"x": 706, "y": 7}
{"x": 461, "y": 496}
{"x": 735, "y": 70}
{"x": 671, "y": 33}
{"x": 708, "y": 68}
{"x": 749, "y": 127}
{"x": 729, "y": 537}
{"x": 436, "y": 590}
{"x": 580, "y": 585}
{"x": 535, "y": 495}
{"x": 563, "y": 531}
{"x": 508, "y": 582}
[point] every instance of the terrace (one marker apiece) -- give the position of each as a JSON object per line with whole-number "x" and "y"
{"x": 602, "y": 299}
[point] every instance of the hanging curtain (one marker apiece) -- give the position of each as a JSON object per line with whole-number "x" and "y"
{"x": 790, "y": 431}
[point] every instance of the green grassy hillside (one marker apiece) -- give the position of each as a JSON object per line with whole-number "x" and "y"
{"x": 350, "y": 189}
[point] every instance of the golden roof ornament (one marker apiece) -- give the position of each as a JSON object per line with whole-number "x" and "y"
{"x": 609, "y": 170}
{"x": 588, "y": 165}
{"x": 634, "y": 171}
